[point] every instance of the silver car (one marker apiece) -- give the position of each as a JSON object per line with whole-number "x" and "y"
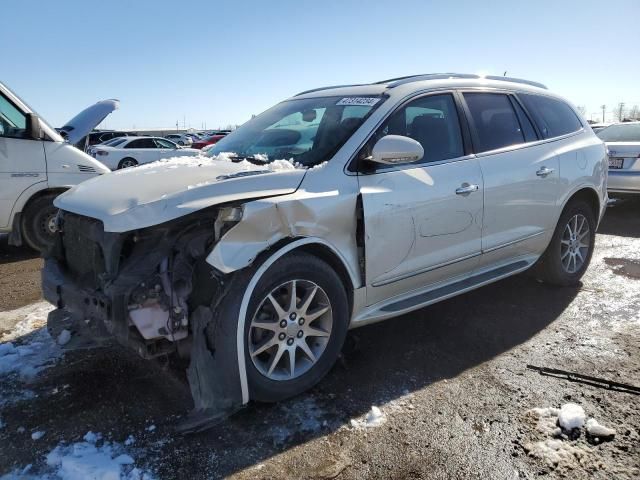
{"x": 623, "y": 144}
{"x": 337, "y": 208}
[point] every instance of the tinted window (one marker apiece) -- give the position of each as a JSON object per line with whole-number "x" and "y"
{"x": 554, "y": 117}
{"x": 629, "y": 132}
{"x": 530, "y": 134}
{"x": 13, "y": 123}
{"x": 115, "y": 142}
{"x": 432, "y": 121}
{"x": 164, "y": 143}
{"x": 496, "y": 124}
{"x": 141, "y": 143}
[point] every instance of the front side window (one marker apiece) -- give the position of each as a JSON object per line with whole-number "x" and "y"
{"x": 433, "y": 122}
{"x": 13, "y": 123}
{"x": 622, "y": 132}
{"x": 553, "y": 117}
{"x": 307, "y": 131}
{"x": 495, "y": 122}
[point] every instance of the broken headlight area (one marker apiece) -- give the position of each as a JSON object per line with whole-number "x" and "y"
{"x": 140, "y": 287}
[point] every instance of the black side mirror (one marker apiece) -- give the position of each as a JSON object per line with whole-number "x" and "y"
{"x": 34, "y": 129}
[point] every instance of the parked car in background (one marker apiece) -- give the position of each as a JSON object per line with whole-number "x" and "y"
{"x": 623, "y": 143}
{"x": 596, "y": 127}
{"x": 210, "y": 140}
{"x": 37, "y": 164}
{"x": 336, "y": 208}
{"x": 96, "y": 138}
{"x": 180, "y": 138}
{"x": 132, "y": 151}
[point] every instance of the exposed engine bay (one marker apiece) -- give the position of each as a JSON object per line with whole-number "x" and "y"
{"x": 150, "y": 289}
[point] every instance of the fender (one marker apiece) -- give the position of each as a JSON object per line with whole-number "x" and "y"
{"x": 25, "y": 196}
{"x": 266, "y": 222}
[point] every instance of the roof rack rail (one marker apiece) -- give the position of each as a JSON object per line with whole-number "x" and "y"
{"x": 394, "y": 82}
{"x": 517, "y": 80}
{"x": 327, "y": 88}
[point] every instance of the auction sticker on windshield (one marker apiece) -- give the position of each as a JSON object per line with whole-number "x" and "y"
{"x": 362, "y": 101}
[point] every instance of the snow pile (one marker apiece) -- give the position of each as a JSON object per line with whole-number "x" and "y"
{"x": 555, "y": 452}
{"x": 373, "y": 418}
{"x": 564, "y": 425}
{"x": 38, "y": 350}
{"x": 571, "y": 416}
{"x": 37, "y": 435}
{"x": 594, "y": 429}
{"x": 89, "y": 459}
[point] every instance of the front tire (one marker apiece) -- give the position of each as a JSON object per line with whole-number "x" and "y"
{"x": 568, "y": 255}
{"x": 38, "y": 222}
{"x": 291, "y": 345}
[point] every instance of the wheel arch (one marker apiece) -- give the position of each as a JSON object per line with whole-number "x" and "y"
{"x": 588, "y": 195}
{"x": 22, "y": 204}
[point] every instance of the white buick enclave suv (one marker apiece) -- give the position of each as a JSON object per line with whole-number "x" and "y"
{"x": 336, "y": 208}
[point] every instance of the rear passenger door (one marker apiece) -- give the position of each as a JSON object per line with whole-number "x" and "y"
{"x": 521, "y": 177}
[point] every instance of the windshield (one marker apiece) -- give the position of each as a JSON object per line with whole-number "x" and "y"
{"x": 307, "y": 131}
{"x": 629, "y": 132}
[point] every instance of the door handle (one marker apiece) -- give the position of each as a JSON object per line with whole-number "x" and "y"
{"x": 466, "y": 189}
{"x": 544, "y": 171}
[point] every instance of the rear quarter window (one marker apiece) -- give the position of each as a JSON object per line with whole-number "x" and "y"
{"x": 553, "y": 117}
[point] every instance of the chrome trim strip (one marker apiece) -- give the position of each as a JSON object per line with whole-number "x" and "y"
{"x": 424, "y": 270}
{"x": 512, "y": 242}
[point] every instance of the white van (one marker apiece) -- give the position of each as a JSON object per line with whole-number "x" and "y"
{"x": 37, "y": 164}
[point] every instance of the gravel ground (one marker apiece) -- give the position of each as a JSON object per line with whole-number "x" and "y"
{"x": 450, "y": 380}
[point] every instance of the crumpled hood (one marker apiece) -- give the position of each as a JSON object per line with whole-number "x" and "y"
{"x": 157, "y": 192}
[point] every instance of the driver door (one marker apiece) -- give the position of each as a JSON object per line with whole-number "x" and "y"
{"x": 422, "y": 221}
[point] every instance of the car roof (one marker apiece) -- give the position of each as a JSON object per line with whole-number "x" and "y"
{"x": 428, "y": 81}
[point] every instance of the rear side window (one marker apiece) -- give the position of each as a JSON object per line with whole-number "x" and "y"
{"x": 553, "y": 117}
{"x": 494, "y": 119}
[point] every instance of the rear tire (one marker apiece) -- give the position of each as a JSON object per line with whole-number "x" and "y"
{"x": 127, "y": 163}
{"x": 568, "y": 255}
{"x": 38, "y": 222}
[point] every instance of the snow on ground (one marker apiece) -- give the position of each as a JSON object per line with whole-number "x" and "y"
{"x": 92, "y": 458}
{"x": 304, "y": 416}
{"x": 373, "y": 418}
{"x": 27, "y": 348}
{"x": 562, "y": 424}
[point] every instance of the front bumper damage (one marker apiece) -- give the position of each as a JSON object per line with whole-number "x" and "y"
{"x": 151, "y": 290}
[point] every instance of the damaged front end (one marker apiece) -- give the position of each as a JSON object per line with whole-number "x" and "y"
{"x": 150, "y": 289}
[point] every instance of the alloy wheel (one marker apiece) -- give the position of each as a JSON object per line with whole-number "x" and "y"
{"x": 575, "y": 243}
{"x": 290, "y": 330}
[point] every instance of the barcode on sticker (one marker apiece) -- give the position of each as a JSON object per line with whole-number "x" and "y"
{"x": 362, "y": 101}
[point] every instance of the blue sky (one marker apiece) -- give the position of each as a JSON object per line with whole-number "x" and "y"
{"x": 219, "y": 62}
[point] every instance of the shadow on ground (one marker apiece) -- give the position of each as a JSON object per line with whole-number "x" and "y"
{"x": 111, "y": 390}
{"x": 11, "y": 254}
{"x": 622, "y": 218}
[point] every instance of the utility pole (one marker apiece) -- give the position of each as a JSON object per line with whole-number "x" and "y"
{"x": 603, "y": 107}
{"x": 620, "y": 111}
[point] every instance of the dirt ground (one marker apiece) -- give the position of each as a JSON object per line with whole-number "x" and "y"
{"x": 451, "y": 381}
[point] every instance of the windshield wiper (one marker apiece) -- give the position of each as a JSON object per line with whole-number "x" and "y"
{"x": 249, "y": 158}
